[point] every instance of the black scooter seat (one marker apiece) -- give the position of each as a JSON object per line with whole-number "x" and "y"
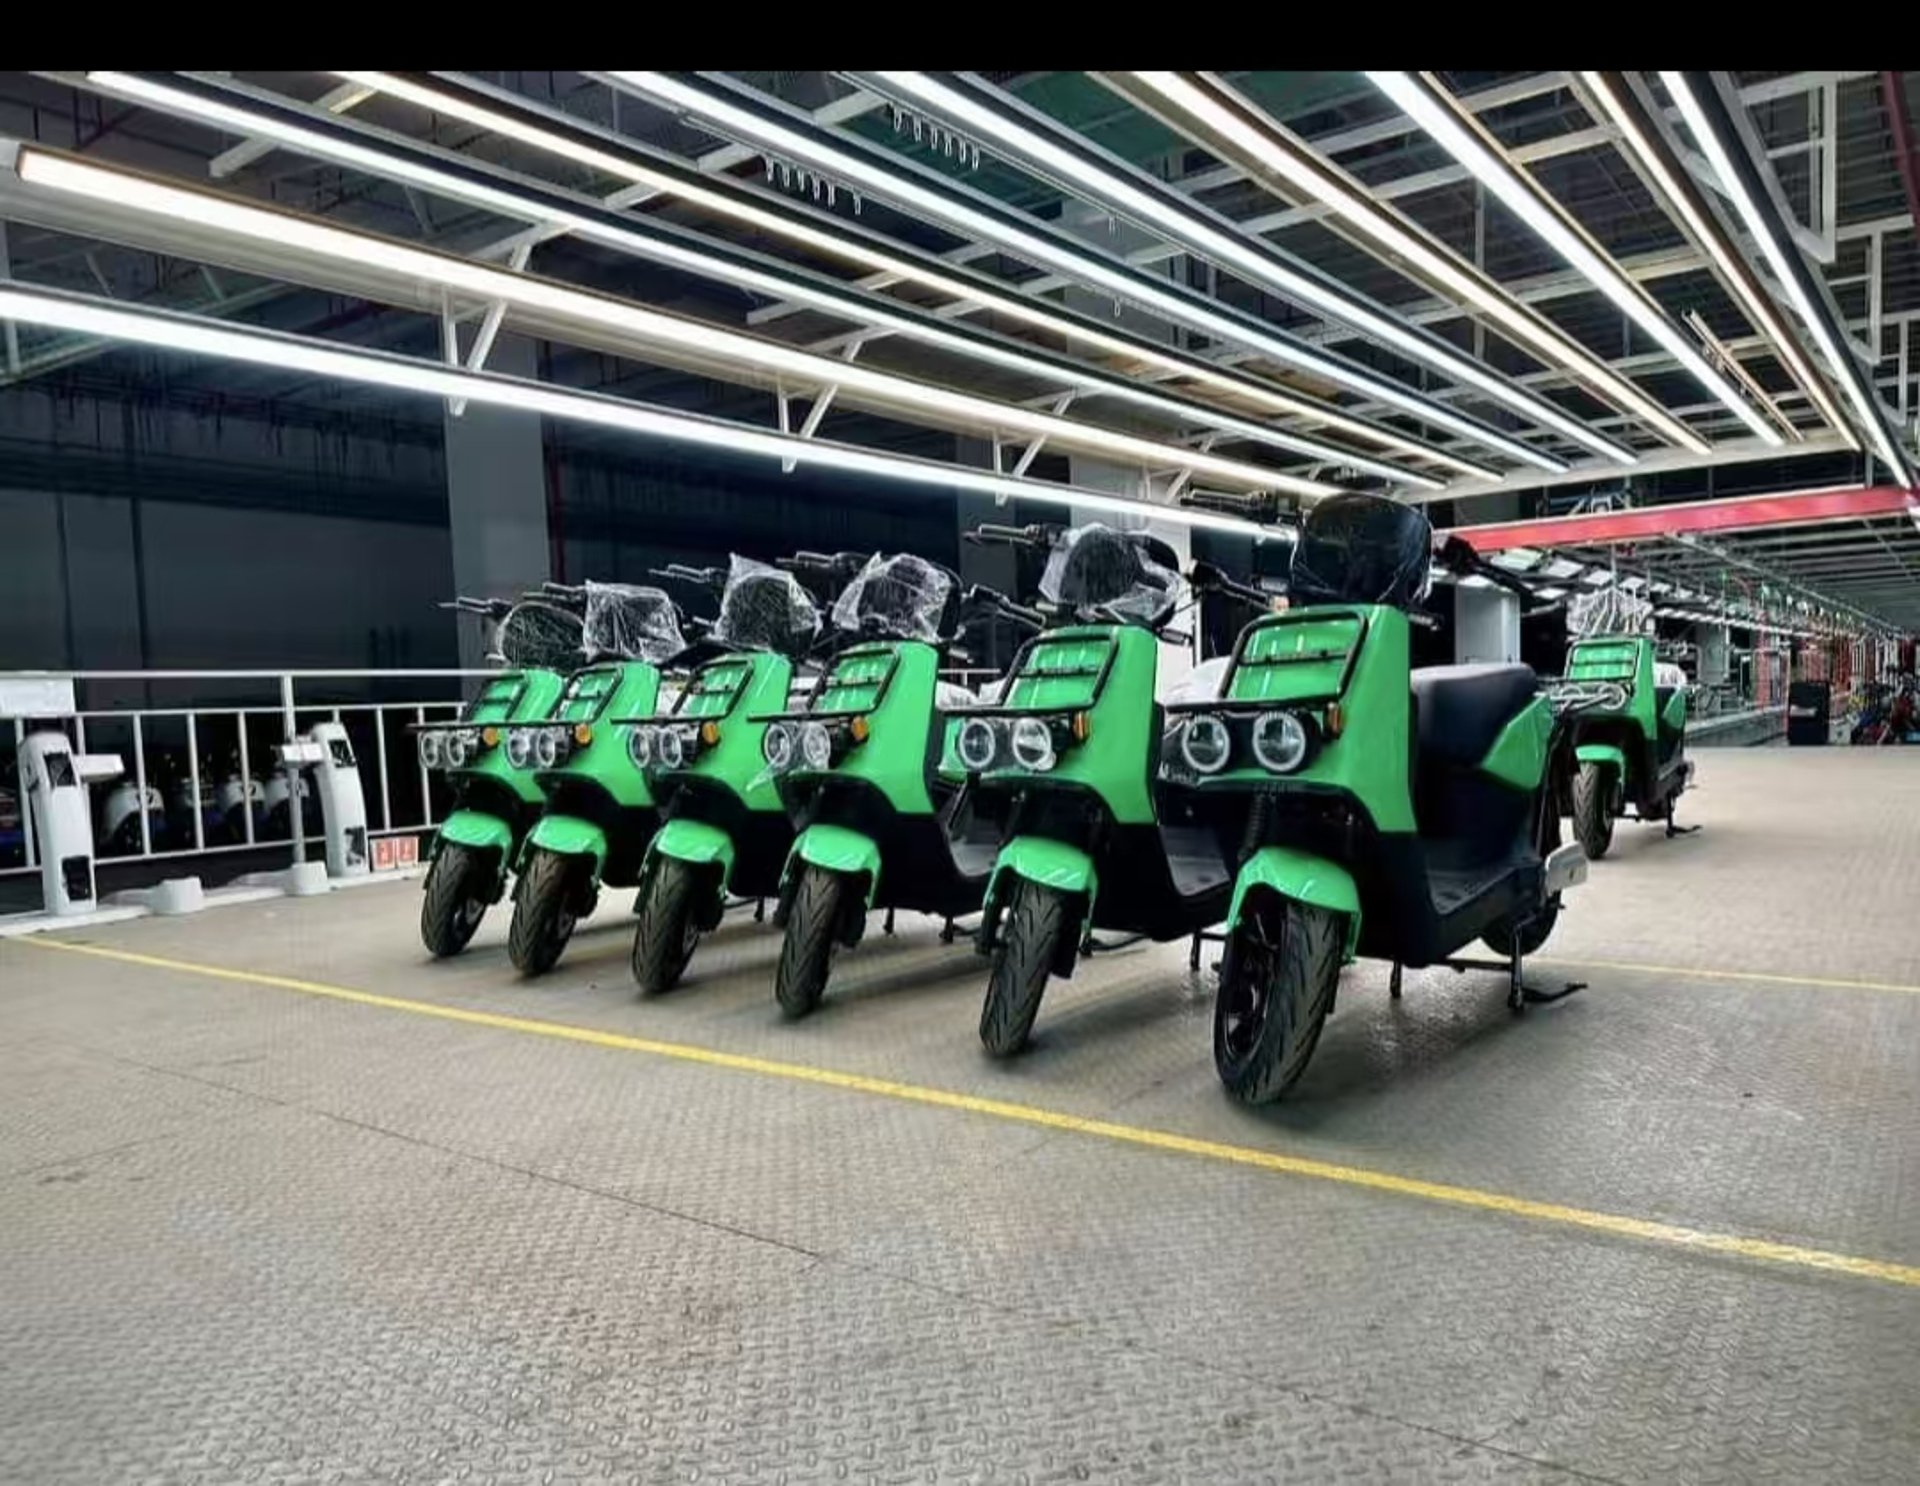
{"x": 1461, "y": 709}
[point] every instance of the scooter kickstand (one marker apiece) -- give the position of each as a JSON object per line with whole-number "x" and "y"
{"x": 1193, "y": 953}
{"x": 946, "y": 932}
{"x": 1674, "y": 830}
{"x": 1393, "y": 982}
{"x": 887, "y": 928}
{"x": 759, "y": 910}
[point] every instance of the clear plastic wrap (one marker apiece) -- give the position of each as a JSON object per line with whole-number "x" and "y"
{"x": 1362, "y": 549}
{"x": 764, "y": 608}
{"x": 1095, "y": 568}
{"x": 538, "y": 633}
{"x": 1608, "y": 611}
{"x": 627, "y": 622}
{"x": 902, "y": 597}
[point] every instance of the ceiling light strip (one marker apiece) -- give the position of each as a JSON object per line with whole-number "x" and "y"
{"x": 1221, "y": 119}
{"x": 650, "y": 328}
{"x": 1075, "y": 166}
{"x": 1682, "y": 196}
{"x": 1788, "y": 271}
{"x": 1039, "y": 245}
{"x": 510, "y": 121}
{"x": 1462, "y": 136}
{"x": 84, "y": 315}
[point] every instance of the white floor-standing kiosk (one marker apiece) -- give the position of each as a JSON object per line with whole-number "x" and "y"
{"x": 53, "y": 786}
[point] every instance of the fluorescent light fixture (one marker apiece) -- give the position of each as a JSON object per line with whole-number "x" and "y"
{"x": 1091, "y": 270}
{"x": 1462, "y": 137}
{"x": 795, "y": 228}
{"x": 1760, "y": 310}
{"x": 1761, "y": 228}
{"x": 1230, "y": 117}
{"x": 286, "y": 353}
{"x": 648, "y": 327}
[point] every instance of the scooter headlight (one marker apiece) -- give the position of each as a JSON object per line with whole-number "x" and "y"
{"x": 976, "y": 744}
{"x": 546, "y": 748}
{"x": 456, "y": 749}
{"x": 669, "y": 748}
{"x": 816, "y": 745}
{"x": 1032, "y": 743}
{"x": 640, "y": 747}
{"x": 1205, "y": 744}
{"x": 430, "y": 751}
{"x": 519, "y": 748}
{"x": 1279, "y": 741}
{"x": 777, "y": 746}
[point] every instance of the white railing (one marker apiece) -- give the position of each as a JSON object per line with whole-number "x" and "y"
{"x": 382, "y": 725}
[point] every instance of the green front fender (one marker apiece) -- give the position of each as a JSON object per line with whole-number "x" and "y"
{"x": 1050, "y": 864}
{"x": 1303, "y": 877}
{"x": 696, "y": 842}
{"x": 570, "y": 836}
{"x": 837, "y": 849}
{"x": 1602, "y": 753}
{"x": 478, "y": 831}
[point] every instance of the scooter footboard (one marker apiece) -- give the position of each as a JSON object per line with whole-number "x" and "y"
{"x": 1303, "y": 877}
{"x": 1064, "y": 869}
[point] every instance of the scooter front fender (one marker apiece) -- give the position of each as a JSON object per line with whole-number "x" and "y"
{"x": 1303, "y": 877}
{"x": 570, "y": 836}
{"x": 478, "y": 831}
{"x": 696, "y": 842}
{"x": 1602, "y": 753}
{"x": 838, "y": 849}
{"x": 1047, "y": 863}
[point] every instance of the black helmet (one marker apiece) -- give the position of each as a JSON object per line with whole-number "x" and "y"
{"x": 1362, "y": 549}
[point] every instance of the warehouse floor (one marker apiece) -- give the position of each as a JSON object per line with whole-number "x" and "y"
{"x": 282, "y": 1201}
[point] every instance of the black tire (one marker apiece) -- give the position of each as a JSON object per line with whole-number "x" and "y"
{"x": 669, "y": 927}
{"x": 543, "y": 915}
{"x": 806, "y": 954}
{"x": 1276, "y": 988}
{"x": 459, "y": 889}
{"x": 1030, "y": 931}
{"x": 1501, "y": 937}
{"x": 1593, "y": 810}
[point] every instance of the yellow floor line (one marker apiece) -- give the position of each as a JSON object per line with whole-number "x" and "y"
{"x": 1026, "y": 1114}
{"x": 1756, "y": 976}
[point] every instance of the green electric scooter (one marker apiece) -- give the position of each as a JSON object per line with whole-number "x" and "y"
{"x": 1632, "y": 750}
{"x": 724, "y": 832}
{"x": 599, "y": 812}
{"x": 1373, "y": 809}
{"x": 495, "y": 804}
{"x": 1070, "y": 751}
{"x": 869, "y": 777}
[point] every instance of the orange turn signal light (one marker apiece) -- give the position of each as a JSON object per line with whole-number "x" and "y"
{"x": 858, "y": 730}
{"x": 583, "y": 733}
{"x": 1336, "y": 719}
{"x": 489, "y": 737}
{"x": 709, "y": 734}
{"x": 1082, "y": 726}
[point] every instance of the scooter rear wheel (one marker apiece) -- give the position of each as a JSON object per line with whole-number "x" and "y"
{"x": 1029, "y": 944}
{"x": 806, "y": 954}
{"x": 1593, "y": 810}
{"x": 543, "y": 916}
{"x": 668, "y": 927}
{"x": 459, "y": 887}
{"x": 1276, "y": 988}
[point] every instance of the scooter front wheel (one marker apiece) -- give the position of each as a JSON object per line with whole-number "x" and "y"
{"x": 459, "y": 887}
{"x": 1593, "y": 810}
{"x": 669, "y": 927}
{"x": 806, "y": 954}
{"x": 543, "y": 913}
{"x": 1029, "y": 945}
{"x": 1276, "y": 988}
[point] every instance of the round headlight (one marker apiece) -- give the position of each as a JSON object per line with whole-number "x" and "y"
{"x": 1205, "y": 744}
{"x": 640, "y": 746}
{"x": 816, "y": 745}
{"x": 976, "y": 744}
{"x": 669, "y": 748}
{"x": 1032, "y": 742}
{"x": 429, "y": 750}
{"x": 546, "y": 748}
{"x": 519, "y": 748}
{"x": 1279, "y": 741}
{"x": 457, "y": 749}
{"x": 776, "y": 746}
